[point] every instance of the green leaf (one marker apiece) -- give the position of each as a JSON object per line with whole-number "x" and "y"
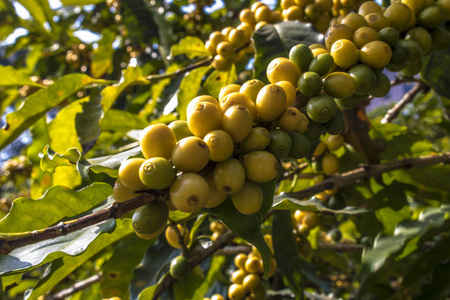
{"x": 285, "y": 202}
{"x": 39, "y": 103}
{"x": 75, "y": 243}
{"x": 81, "y": 2}
{"x": 147, "y": 274}
{"x": 14, "y": 77}
{"x": 39, "y": 10}
{"x": 122, "y": 120}
{"x": 130, "y": 76}
{"x": 251, "y": 232}
{"x": 436, "y": 71}
{"x": 276, "y": 40}
{"x": 189, "y": 88}
{"x": 86, "y": 121}
{"x": 214, "y": 274}
{"x": 107, "y": 164}
{"x": 190, "y": 46}
{"x": 118, "y": 270}
{"x": 8, "y": 97}
{"x": 185, "y": 287}
{"x": 58, "y": 203}
{"x": 64, "y": 266}
{"x": 102, "y": 57}
{"x": 285, "y": 246}
{"x": 216, "y": 80}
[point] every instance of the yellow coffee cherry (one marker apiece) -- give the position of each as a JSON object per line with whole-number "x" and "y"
{"x": 260, "y": 24}
{"x": 216, "y": 37}
{"x": 311, "y": 220}
{"x": 273, "y": 267}
{"x": 238, "y": 38}
{"x": 236, "y": 292}
{"x": 263, "y": 13}
{"x": 129, "y": 174}
{"x": 226, "y": 50}
{"x": 189, "y": 193}
{"x": 228, "y": 89}
{"x": 369, "y": 7}
{"x": 377, "y": 21}
{"x": 210, "y": 47}
{"x": 293, "y": 13}
{"x": 271, "y": 102}
{"x": 191, "y": 154}
{"x": 285, "y": 4}
{"x": 237, "y": 121}
{"x": 217, "y": 297}
{"x": 220, "y": 144}
{"x": 236, "y": 98}
{"x": 121, "y": 193}
{"x": 376, "y": 54}
{"x": 283, "y": 70}
{"x": 251, "y": 88}
{"x": 199, "y": 99}
{"x": 260, "y": 166}
{"x": 291, "y": 119}
{"x": 337, "y": 32}
{"x": 299, "y": 215}
{"x": 238, "y": 276}
{"x": 334, "y": 142}
{"x": 339, "y": 85}
{"x": 364, "y": 35}
{"x": 229, "y": 176}
{"x": 398, "y": 15}
{"x": 354, "y": 21}
{"x": 205, "y": 117}
{"x": 253, "y": 265}
{"x": 249, "y": 199}
{"x": 221, "y": 64}
{"x": 247, "y": 16}
{"x": 215, "y": 197}
{"x": 216, "y": 226}
{"x": 330, "y": 164}
{"x": 289, "y": 89}
{"x": 247, "y": 28}
{"x": 344, "y": 53}
{"x": 277, "y": 17}
{"x": 180, "y": 129}
{"x": 416, "y": 6}
{"x": 258, "y": 139}
{"x": 251, "y": 281}
{"x": 157, "y": 140}
{"x": 172, "y": 236}
{"x": 239, "y": 261}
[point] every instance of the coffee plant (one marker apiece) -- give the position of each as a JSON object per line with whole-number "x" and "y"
{"x": 225, "y": 150}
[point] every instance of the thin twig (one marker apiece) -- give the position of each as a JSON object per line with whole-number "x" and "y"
{"x": 204, "y": 62}
{"x": 369, "y": 171}
{"x": 407, "y": 98}
{"x": 76, "y": 287}
{"x": 9, "y": 242}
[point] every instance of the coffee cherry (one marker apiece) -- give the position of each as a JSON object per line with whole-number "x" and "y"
{"x": 280, "y": 143}
{"x": 204, "y": 118}
{"x": 302, "y": 56}
{"x": 239, "y": 260}
{"x": 249, "y": 199}
{"x": 215, "y": 197}
{"x": 239, "y": 275}
{"x": 330, "y": 164}
{"x": 321, "y": 108}
{"x": 199, "y": 99}
{"x": 228, "y": 89}
{"x": 339, "y": 85}
{"x": 179, "y": 267}
{"x": 220, "y": 144}
{"x": 150, "y": 220}
{"x": 235, "y": 98}
{"x": 365, "y": 79}
{"x": 190, "y": 154}
{"x": 271, "y": 102}
{"x": 236, "y": 292}
{"x": 260, "y": 166}
{"x": 189, "y": 193}
{"x": 364, "y": 35}
{"x": 375, "y": 54}
{"x": 291, "y": 119}
{"x": 253, "y": 265}
{"x": 251, "y": 88}
{"x": 300, "y": 145}
{"x": 157, "y": 141}
{"x": 157, "y": 173}
{"x": 121, "y": 193}
{"x": 129, "y": 174}
{"x": 344, "y": 53}
{"x": 322, "y": 64}
{"x": 173, "y": 239}
{"x": 237, "y": 121}
{"x": 180, "y": 129}
{"x": 229, "y": 176}
{"x": 251, "y": 281}
{"x": 289, "y": 89}
{"x": 258, "y": 139}
{"x": 283, "y": 70}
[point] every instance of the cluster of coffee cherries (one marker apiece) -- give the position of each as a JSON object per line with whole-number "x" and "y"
{"x": 225, "y": 148}
{"x": 317, "y": 12}
{"x": 223, "y": 44}
{"x": 247, "y": 281}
